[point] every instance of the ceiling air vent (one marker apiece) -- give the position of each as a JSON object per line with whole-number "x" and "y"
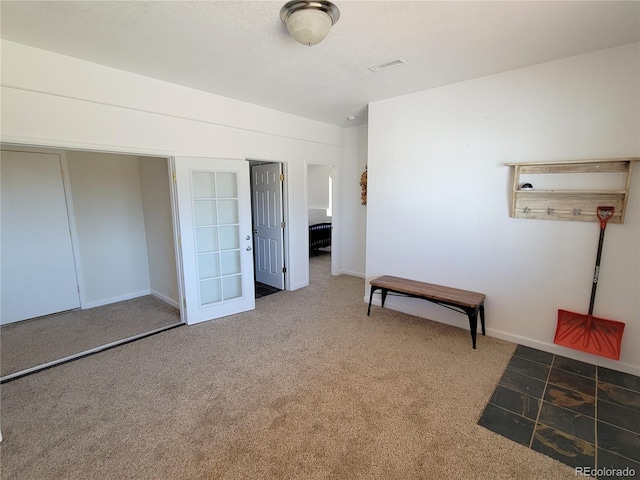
{"x": 387, "y": 65}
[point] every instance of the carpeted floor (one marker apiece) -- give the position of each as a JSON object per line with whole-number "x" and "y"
{"x": 304, "y": 387}
{"x": 29, "y": 343}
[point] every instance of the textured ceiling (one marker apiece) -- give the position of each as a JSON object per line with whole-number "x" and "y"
{"x": 241, "y": 49}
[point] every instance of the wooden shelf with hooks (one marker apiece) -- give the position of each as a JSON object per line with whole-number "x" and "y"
{"x": 566, "y": 204}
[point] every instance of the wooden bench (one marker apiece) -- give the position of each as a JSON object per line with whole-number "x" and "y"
{"x": 463, "y": 301}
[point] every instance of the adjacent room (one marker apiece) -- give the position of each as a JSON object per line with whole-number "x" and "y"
{"x": 319, "y": 194}
{"x": 302, "y": 188}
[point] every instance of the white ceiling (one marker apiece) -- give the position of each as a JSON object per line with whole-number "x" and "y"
{"x": 241, "y": 49}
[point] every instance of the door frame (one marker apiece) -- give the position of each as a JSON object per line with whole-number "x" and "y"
{"x": 335, "y": 216}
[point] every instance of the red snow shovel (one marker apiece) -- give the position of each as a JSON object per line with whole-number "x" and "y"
{"x": 586, "y": 332}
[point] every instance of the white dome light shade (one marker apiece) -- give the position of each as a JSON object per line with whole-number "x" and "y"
{"x": 309, "y": 22}
{"x": 309, "y": 26}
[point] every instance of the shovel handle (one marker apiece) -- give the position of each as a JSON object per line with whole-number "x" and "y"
{"x": 604, "y": 214}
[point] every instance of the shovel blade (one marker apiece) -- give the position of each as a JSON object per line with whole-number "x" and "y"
{"x": 590, "y": 334}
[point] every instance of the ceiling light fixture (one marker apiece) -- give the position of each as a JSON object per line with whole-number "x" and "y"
{"x": 309, "y": 22}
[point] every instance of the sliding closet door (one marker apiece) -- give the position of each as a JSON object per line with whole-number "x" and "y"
{"x": 38, "y": 268}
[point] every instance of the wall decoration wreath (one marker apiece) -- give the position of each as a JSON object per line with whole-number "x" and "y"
{"x": 363, "y": 186}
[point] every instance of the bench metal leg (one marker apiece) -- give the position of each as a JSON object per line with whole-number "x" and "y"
{"x": 372, "y": 291}
{"x": 472, "y": 313}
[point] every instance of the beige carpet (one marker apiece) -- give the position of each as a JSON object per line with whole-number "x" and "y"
{"x": 29, "y": 343}
{"x": 304, "y": 387}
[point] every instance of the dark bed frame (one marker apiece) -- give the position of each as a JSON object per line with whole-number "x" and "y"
{"x": 319, "y": 237}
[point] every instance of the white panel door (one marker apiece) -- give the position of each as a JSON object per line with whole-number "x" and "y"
{"x": 38, "y": 268}
{"x": 267, "y": 223}
{"x": 214, "y": 208}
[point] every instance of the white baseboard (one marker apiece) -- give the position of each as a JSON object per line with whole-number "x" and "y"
{"x": 565, "y": 352}
{"x": 353, "y": 274}
{"x": 166, "y": 299}
{"x": 121, "y": 298}
{"x": 529, "y": 342}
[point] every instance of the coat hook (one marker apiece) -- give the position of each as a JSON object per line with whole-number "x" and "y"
{"x": 577, "y": 211}
{"x": 549, "y": 211}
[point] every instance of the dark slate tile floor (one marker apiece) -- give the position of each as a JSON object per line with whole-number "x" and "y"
{"x": 262, "y": 290}
{"x": 575, "y": 412}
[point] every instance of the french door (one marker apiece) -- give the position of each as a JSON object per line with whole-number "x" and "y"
{"x": 214, "y": 209}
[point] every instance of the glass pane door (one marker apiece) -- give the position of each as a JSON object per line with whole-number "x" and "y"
{"x": 215, "y": 197}
{"x": 216, "y": 236}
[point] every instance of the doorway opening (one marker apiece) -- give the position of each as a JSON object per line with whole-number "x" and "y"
{"x": 268, "y": 214}
{"x": 320, "y": 206}
{"x": 120, "y": 242}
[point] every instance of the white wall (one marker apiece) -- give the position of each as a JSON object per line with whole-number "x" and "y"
{"x": 156, "y": 203}
{"x": 438, "y": 196}
{"x": 318, "y": 215}
{"x": 318, "y": 186}
{"x": 109, "y": 221}
{"x": 354, "y": 213}
{"x": 54, "y": 100}
{"x": 318, "y": 193}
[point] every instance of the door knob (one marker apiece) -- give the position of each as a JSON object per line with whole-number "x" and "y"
{"x": 255, "y": 231}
